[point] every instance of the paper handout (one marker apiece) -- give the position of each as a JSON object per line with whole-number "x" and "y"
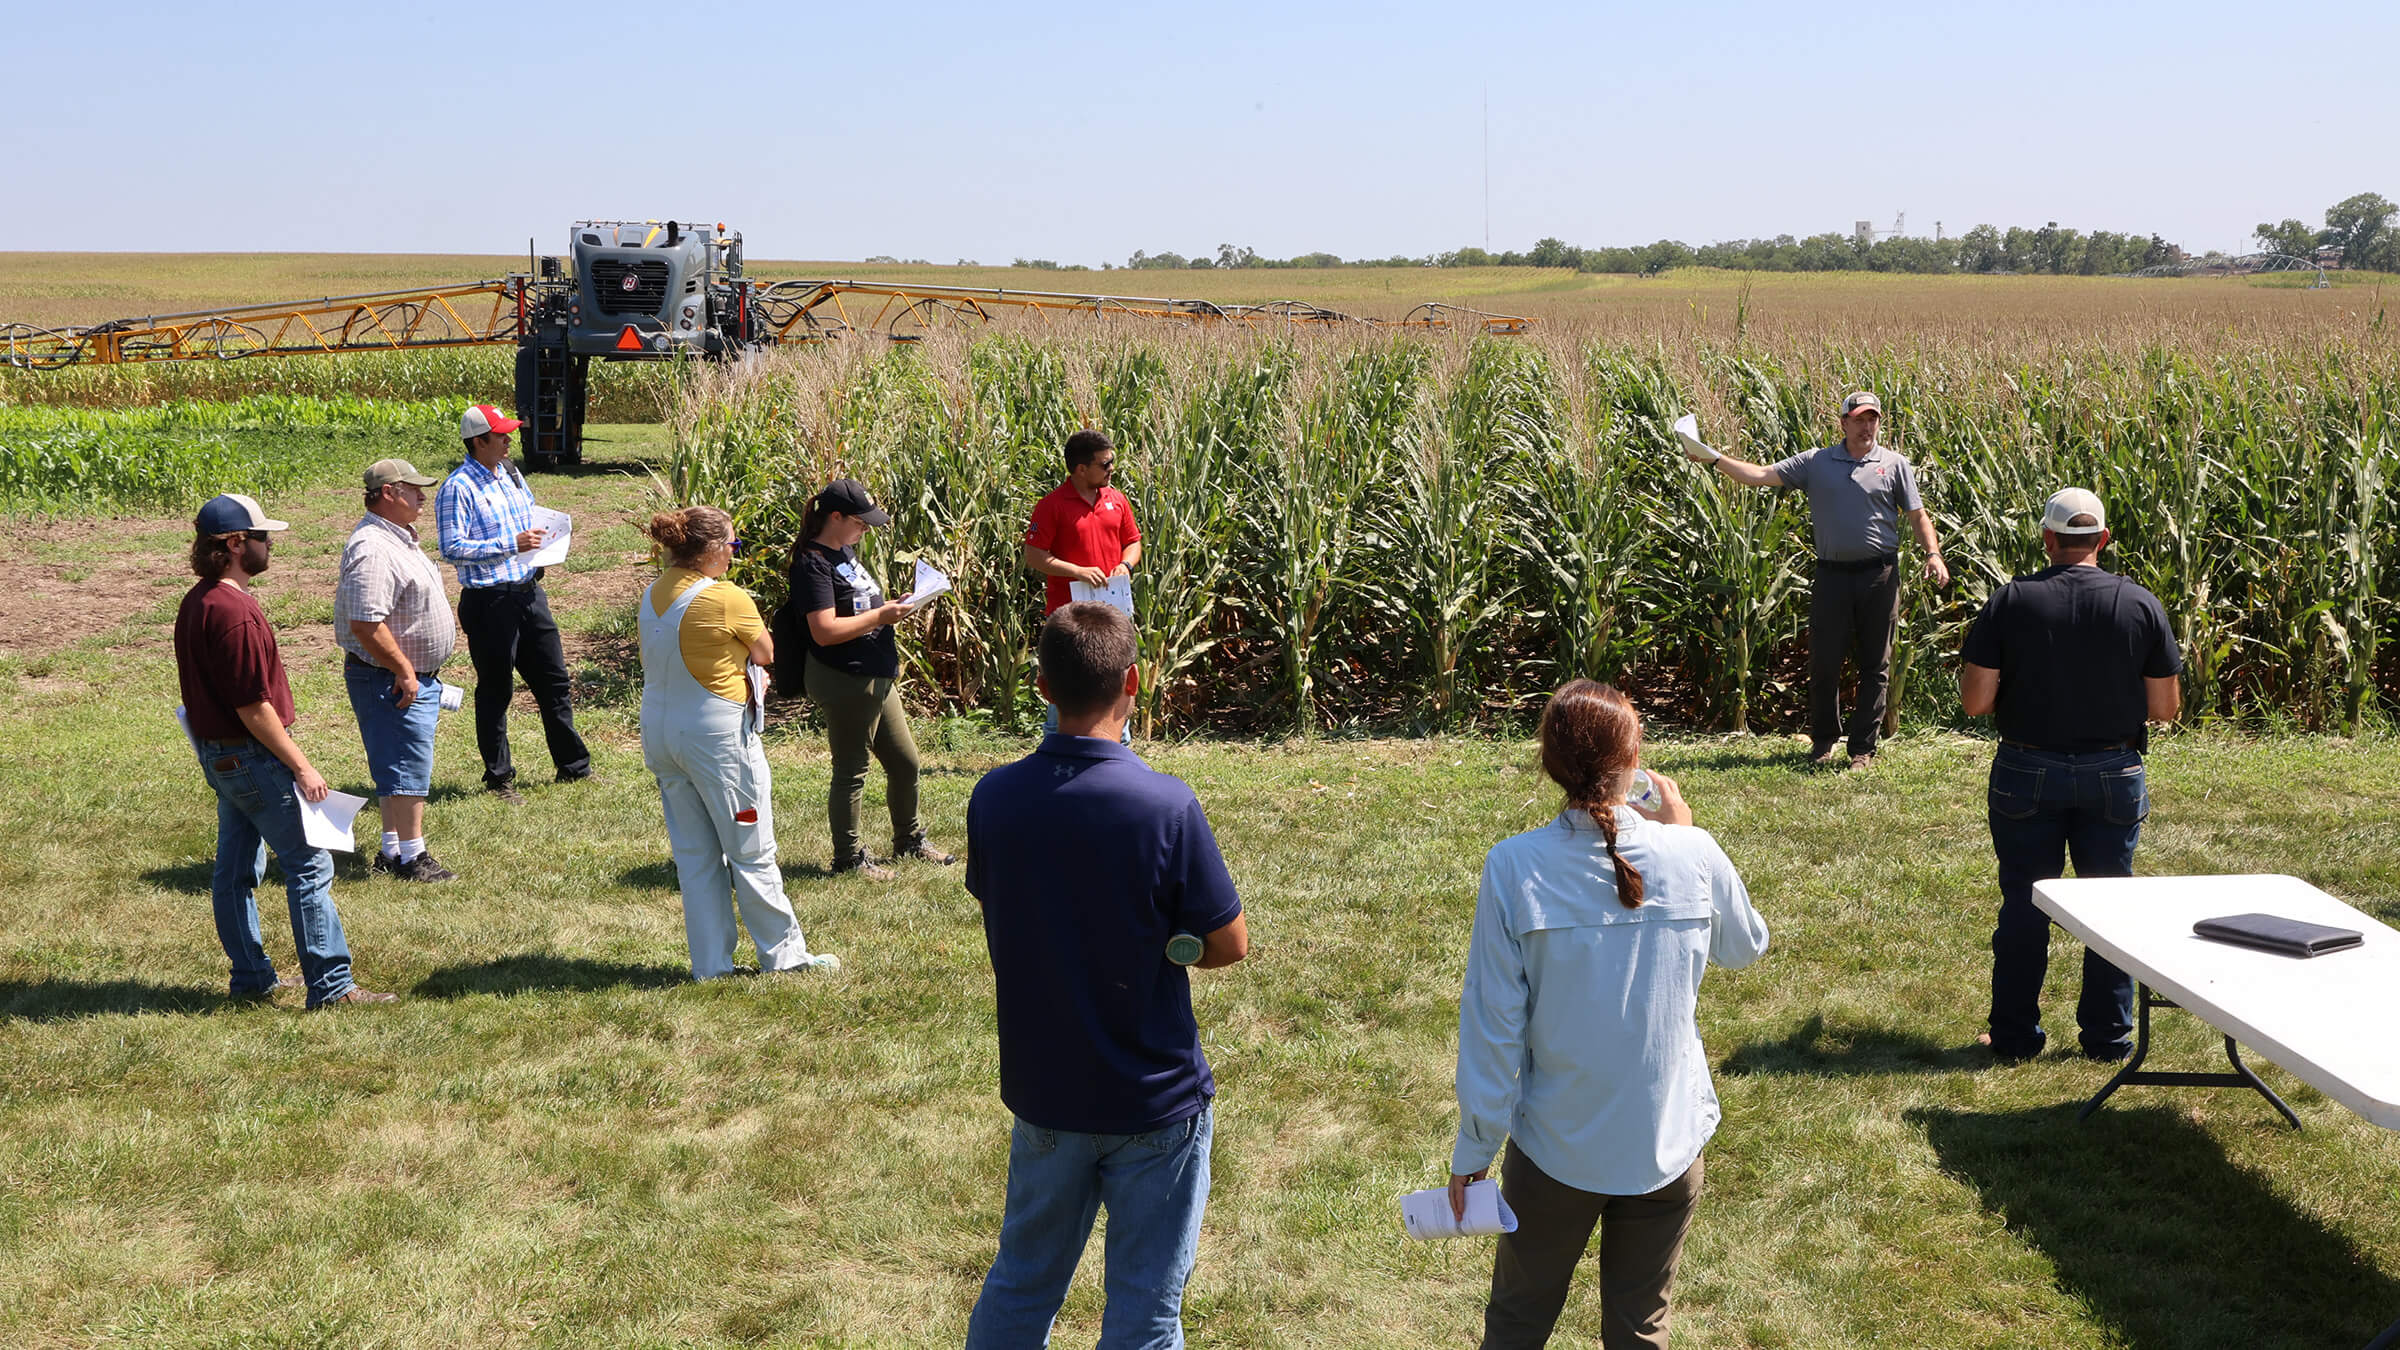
{"x": 327, "y": 823}
{"x": 1426, "y": 1214}
{"x": 1118, "y": 592}
{"x": 557, "y": 526}
{"x": 184, "y": 721}
{"x": 1687, "y": 430}
{"x": 930, "y": 583}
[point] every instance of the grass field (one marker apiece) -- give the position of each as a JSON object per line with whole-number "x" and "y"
{"x": 555, "y": 1140}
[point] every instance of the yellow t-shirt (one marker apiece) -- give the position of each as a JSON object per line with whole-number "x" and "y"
{"x": 717, "y": 630}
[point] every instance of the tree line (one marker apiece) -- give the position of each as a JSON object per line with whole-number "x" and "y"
{"x": 2361, "y": 227}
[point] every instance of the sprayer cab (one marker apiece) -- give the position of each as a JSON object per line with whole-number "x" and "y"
{"x": 650, "y": 288}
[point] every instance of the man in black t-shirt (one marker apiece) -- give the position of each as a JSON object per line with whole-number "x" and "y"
{"x": 2074, "y": 663}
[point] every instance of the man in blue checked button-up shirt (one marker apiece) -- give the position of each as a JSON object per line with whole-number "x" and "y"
{"x": 485, "y": 516}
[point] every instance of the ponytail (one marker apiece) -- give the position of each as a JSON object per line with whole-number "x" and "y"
{"x": 1590, "y": 739}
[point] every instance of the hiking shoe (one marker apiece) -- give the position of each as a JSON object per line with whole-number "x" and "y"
{"x": 863, "y": 865}
{"x": 357, "y": 995}
{"x": 506, "y": 792}
{"x": 583, "y": 775}
{"x": 424, "y": 868}
{"x": 388, "y": 864}
{"x": 267, "y": 995}
{"x": 825, "y": 962}
{"x": 1822, "y": 756}
{"x": 924, "y": 852}
{"x": 1864, "y": 761}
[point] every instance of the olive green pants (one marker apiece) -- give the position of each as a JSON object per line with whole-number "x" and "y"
{"x": 863, "y": 716}
{"x": 1641, "y": 1236}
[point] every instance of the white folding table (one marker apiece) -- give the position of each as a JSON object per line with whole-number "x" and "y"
{"x": 2330, "y": 1021}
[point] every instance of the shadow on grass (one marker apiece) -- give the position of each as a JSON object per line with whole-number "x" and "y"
{"x": 1817, "y": 1049}
{"x": 525, "y": 974}
{"x": 660, "y": 876}
{"x": 61, "y": 1000}
{"x": 2147, "y": 1222}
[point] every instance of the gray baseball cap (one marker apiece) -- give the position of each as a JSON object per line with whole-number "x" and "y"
{"x": 384, "y": 471}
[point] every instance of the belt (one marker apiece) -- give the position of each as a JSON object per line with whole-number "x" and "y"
{"x": 234, "y": 743}
{"x": 526, "y": 585}
{"x": 2091, "y": 750}
{"x": 1858, "y": 564}
{"x": 351, "y": 658}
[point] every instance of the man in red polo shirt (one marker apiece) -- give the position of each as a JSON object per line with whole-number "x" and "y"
{"x": 1084, "y": 530}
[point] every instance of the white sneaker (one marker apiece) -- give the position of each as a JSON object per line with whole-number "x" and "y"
{"x": 825, "y": 961}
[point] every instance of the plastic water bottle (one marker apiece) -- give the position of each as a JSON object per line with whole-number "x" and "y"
{"x": 1641, "y": 793}
{"x": 1184, "y": 949}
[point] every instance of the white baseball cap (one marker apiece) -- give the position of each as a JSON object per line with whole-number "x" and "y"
{"x": 2068, "y": 503}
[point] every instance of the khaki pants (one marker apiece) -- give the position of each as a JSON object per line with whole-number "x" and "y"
{"x": 1640, "y": 1238}
{"x": 864, "y": 716}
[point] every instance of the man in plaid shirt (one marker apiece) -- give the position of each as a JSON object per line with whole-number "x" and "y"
{"x": 392, "y": 619}
{"x": 485, "y": 515}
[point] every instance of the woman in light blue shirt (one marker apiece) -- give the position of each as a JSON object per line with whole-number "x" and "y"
{"x": 1576, "y": 1036}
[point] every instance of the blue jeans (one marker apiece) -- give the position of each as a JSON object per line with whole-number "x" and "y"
{"x": 2045, "y": 807}
{"x": 1155, "y": 1186}
{"x": 258, "y": 808}
{"x": 399, "y": 741}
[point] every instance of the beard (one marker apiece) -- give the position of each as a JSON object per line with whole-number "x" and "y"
{"x": 255, "y": 557}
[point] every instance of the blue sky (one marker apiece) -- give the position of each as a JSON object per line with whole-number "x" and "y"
{"x": 1083, "y": 132}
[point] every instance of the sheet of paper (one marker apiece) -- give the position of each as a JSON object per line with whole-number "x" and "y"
{"x": 327, "y": 823}
{"x": 1687, "y": 430}
{"x": 558, "y": 526}
{"x": 930, "y": 583}
{"x": 1426, "y": 1214}
{"x": 185, "y": 722}
{"x": 1118, "y": 592}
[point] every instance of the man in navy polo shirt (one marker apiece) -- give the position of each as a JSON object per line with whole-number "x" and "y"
{"x": 1087, "y": 863}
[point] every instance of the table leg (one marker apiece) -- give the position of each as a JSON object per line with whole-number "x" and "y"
{"x": 2133, "y": 1072}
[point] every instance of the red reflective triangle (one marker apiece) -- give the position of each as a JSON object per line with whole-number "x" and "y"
{"x": 629, "y": 340}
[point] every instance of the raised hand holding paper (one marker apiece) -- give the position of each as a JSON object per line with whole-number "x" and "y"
{"x": 1426, "y": 1214}
{"x": 1687, "y": 430}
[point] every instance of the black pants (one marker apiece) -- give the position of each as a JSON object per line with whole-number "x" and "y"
{"x": 510, "y": 632}
{"x": 1851, "y": 616}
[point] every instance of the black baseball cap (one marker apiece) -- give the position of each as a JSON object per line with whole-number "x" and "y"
{"x": 849, "y": 496}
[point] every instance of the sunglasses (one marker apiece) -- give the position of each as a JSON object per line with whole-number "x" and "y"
{"x": 259, "y": 536}
{"x": 734, "y": 546}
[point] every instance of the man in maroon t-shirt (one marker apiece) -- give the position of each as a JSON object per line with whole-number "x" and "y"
{"x": 238, "y": 706}
{"x": 1083, "y": 531}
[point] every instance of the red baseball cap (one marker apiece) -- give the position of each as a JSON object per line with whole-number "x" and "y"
{"x": 482, "y": 419}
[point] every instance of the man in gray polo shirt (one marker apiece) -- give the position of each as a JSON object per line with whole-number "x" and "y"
{"x": 392, "y": 619}
{"x": 1857, "y": 493}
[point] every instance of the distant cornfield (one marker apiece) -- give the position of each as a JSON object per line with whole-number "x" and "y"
{"x": 1365, "y": 531}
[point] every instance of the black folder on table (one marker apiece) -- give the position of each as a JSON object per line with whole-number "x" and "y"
{"x": 2285, "y": 937}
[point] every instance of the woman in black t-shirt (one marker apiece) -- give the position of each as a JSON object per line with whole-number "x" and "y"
{"x": 836, "y": 616}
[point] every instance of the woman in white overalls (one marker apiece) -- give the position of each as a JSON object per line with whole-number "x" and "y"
{"x": 702, "y": 715}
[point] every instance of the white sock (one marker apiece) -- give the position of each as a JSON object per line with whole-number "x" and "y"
{"x": 391, "y": 843}
{"x": 410, "y": 849}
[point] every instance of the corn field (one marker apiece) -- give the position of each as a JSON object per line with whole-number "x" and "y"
{"x": 620, "y": 392}
{"x": 1366, "y": 532}
{"x": 174, "y": 457}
